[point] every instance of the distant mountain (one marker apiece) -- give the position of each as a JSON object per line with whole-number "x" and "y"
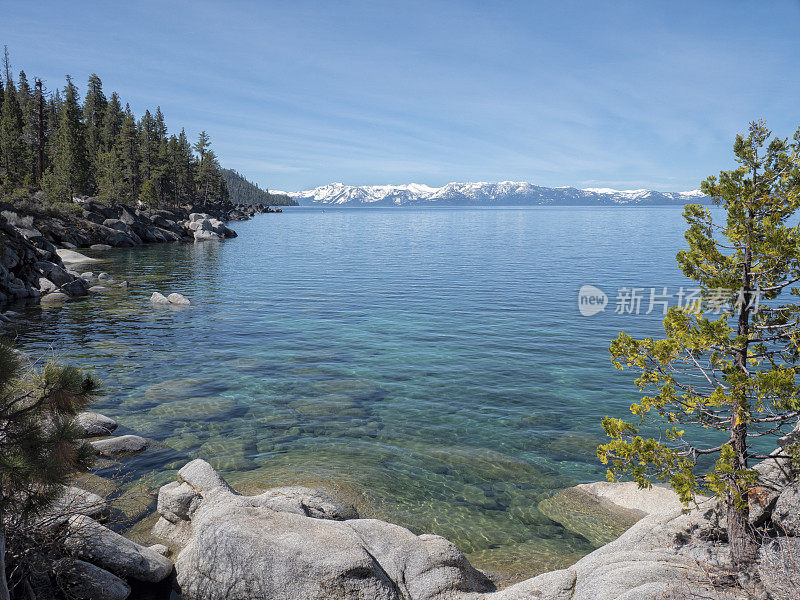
{"x": 504, "y": 193}
{"x": 242, "y": 191}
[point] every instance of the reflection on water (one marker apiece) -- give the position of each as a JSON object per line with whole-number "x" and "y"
{"x": 431, "y": 365}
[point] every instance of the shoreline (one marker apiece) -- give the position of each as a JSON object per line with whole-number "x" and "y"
{"x": 40, "y": 243}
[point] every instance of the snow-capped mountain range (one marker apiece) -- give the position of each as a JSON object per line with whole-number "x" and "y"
{"x": 504, "y": 193}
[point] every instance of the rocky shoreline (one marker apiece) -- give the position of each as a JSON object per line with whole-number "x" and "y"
{"x": 298, "y": 543}
{"x": 38, "y": 258}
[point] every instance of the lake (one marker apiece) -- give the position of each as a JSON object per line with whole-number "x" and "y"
{"x": 429, "y": 364}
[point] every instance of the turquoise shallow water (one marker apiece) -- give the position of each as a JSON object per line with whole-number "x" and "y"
{"x": 431, "y": 364}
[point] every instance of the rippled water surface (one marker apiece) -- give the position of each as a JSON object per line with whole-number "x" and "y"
{"x": 429, "y": 364}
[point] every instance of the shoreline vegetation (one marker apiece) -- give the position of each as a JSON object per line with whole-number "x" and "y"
{"x": 89, "y": 174}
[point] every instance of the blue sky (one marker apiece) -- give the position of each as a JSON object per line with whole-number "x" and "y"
{"x": 298, "y": 94}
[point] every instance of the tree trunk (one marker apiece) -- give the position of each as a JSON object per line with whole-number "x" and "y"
{"x": 4, "y": 593}
{"x": 741, "y": 536}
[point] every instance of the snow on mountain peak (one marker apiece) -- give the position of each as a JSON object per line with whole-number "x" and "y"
{"x": 484, "y": 193}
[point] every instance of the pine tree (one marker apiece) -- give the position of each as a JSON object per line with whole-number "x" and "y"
{"x": 41, "y": 131}
{"x": 94, "y": 110}
{"x": 185, "y": 172}
{"x": 11, "y": 136}
{"x": 206, "y": 166}
{"x": 111, "y": 181}
{"x": 112, "y": 122}
{"x": 149, "y": 195}
{"x": 127, "y": 147}
{"x": 71, "y": 167}
{"x": 40, "y": 446}
{"x": 148, "y": 145}
{"x": 730, "y": 365}
{"x": 27, "y": 104}
{"x": 53, "y": 111}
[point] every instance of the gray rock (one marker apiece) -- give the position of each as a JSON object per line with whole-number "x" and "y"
{"x": 104, "y": 276}
{"x": 73, "y": 501}
{"x": 99, "y": 289}
{"x": 178, "y": 501}
{"x": 774, "y": 472}
{"x": 118, "y": 446}
{"x": 202, "y": 235}
{"x": 84, "y": 581}
{"x": 179, "y": 299}
{"x": 54, "y": 297}
{"x": 58, "y": 275}
{"x": 159, "y": 298}
{"x": 786, "y": 515}
{"x": 295, "y": 550}
{"x": 88, "y": 276}
{"x": 76, "y": 287}
{"x": 90, "y": 541}
{"x": 70, "y": 257}
{"x": 779, "y": 566}
{"x": 202, "y": 477}
{"x": 46, "y": 286}
{"x": 100, "y": 247}
{"x": 555, "y": 585}
{"x": 94, "y": 424}
{"x": 160, "y": 548}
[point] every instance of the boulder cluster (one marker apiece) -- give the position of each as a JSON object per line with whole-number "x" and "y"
{"x": 31, "y": 268}
{"x": 86, "y": 559}
{"x": 295, "y": 542}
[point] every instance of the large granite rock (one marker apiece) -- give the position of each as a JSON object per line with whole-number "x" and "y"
{"x": 603, "y": 511}
{"x": 779, "y": 568}
{"x": 786, "y": 514}
{"x": 296, "y": 543}
{"x": 292, "y": 543}
{"x": 84, "y": 581}
{"x": 88, "y": 540}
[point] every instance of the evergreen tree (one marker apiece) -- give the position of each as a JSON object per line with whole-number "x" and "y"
{"x": 53, "y": 110}
{"x": 71, "y": 148}
{"x": 71, "y": 167}
{"x": 148, "y": 145}
{"x": 27, "y": 104}
{"x": 11, "y": 137}
{"x": 112, "y": 122}
{"x": 94, "y": 110}
{"x": 730, "y": 365}
{"x": 148, "y": 195}
{"x": 40, "y": 446}
{"x": 111, "y": 181}
{"x": 127, "y": 147}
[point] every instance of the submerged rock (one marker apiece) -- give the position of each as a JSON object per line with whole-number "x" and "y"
{"x": 179, "y": 299}
{"x": 159, "y": 299}
{"x": 118, "y": 446}
{"x": 94, "y": 424}
{"x": 54, "y": 298}
{"x": 601, "y": 512}
{"x": 70, "y": 257}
